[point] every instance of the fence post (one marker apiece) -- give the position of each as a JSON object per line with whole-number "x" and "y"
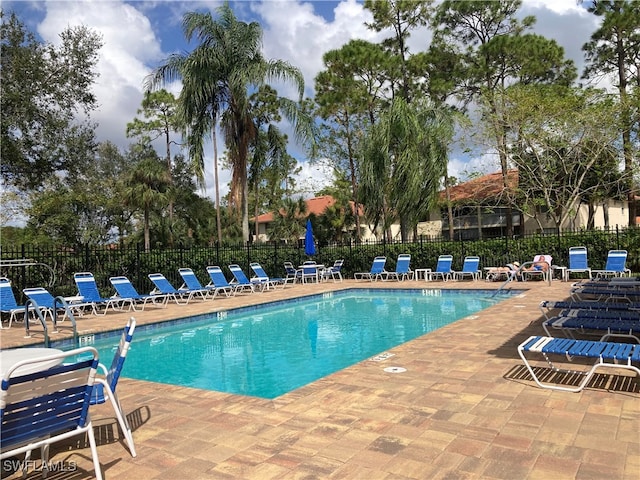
{"x": 138, "y": 272}
{"x": 275, "y": 256}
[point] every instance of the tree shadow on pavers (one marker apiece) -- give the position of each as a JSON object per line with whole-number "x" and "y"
{"x": 58, "y": 467}
{"x": 622, "y": 382}
{"x": 106, "y": 431}
{"x": 609, "y": 382}
{"x": 509, "y": 348}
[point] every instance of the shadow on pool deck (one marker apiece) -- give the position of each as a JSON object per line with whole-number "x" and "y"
{"x": 464, "y": 408}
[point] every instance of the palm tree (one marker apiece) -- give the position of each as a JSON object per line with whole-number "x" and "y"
{"x": 289, "y": 222}
{"x": 217, "y": 77}
{"x": 146, "y": 185}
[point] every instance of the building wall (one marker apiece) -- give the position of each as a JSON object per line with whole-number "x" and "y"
{"x": 617, "y": 211}
{"x": 433, "y": 227}
{"x": 367, "y": 233}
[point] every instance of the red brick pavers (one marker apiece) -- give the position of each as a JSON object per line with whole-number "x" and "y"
{"x": 464, "y": 408}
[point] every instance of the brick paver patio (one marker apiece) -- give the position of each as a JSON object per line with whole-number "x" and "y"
{"x": 464, "y": 408}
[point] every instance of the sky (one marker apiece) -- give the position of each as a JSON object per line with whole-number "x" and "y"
{"x": 139, "y": 35}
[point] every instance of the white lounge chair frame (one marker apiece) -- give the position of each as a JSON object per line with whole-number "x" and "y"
{"x": 30, "y": 422}
{"x": 376, "y": 272}
{"x": 604, "y": 354}
{"x": 403, "y": 270}
{"x": 470, "y": 268}
{"x": 443, "y": 268}
{"x": 610, "y": 270}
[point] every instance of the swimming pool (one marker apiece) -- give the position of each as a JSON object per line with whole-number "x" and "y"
{"x": 266, "y": 351}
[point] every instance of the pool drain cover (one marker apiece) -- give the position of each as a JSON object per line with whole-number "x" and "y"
{"x": 382, "y": 356}
{"x": 395, "y": 369}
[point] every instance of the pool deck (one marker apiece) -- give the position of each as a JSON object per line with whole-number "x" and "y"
{"x": 465, "y": 408}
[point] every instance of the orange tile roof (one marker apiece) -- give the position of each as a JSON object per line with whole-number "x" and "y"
{"x": 481, "y": 188}
{"x": 315, "y": 206}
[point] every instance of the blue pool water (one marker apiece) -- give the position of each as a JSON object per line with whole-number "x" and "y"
{"x": 269, "y": 350}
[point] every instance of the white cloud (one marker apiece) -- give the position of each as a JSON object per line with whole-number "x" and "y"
{"x": 564, "y": 21}
{"x": 462, "y": 167}
{"x": 129, "y": 44}
{"x": 313, "y": 177}
{"x": 301, "y": 37}
{"x": 556, "y": 6}
{"x": 139, "y": 35}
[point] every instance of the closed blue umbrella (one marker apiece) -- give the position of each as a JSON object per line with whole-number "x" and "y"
{"x": 309, "y": 245}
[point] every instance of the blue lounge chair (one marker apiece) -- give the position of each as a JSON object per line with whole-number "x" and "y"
{"x": 578, "y": 262}
{"x": 88, "y": 290}
{"x": 403, "y": 269}
{"x": 603, "y": 354}
{"x": 164, "y": 287}
{"x": 376, "y": 272}
{"x": 546, "y": 306}
{"x": 127, "y": 291}
{"x": 470, "y": 268}
{"x": 443, "y": 268}
{"x": 261, "y": 276}
{"x": 219, "y": 282}
{"x": 615, "y": 266}
{"x": 293, "y": 275}
{"x": 51, "y": 306}
{"x": 615, "y": 323}
{"x": 104, "y": 389}
{"x": 8, "y": 304}
{"x": 242, "y": 282}
{"x": 43, "y": 298}
{"x": 192, "y": 283}
{"x": 49, "y": 405}
{"x": 334, "y": 271}
{"x": 602, "y": 314}
{"x": 610, "y": 282}
{"x": 607, "y": 291}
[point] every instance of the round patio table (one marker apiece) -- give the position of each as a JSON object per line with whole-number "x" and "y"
{"x": 8, "y": 358}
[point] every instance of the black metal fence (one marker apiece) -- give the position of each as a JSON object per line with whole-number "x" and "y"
{"x": 54, "y": 268}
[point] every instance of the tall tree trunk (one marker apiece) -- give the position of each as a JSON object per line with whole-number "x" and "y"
{"x": 255, "y": 213}
{"x": 245, "y": 210}
{"x": 217, "y": 185}
{"x": 501, "y": 144}
{"x": 626, "y": 126}
{"x": 447, "y": 189}
{"x": 168, "y": 145}
{"x": 147, "y": 235}
{"x": 591, "y": 216}
{"x": 628, "y": 164}
{"x": 354, "y": 190}
{"x": 505, "y": 183}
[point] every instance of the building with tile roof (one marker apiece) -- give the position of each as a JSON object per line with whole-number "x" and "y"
{"x": 315, "y": 207}
{"x": 480, "y": 211}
